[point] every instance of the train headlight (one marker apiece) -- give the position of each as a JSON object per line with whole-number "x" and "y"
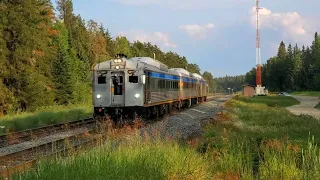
{"x": 98, "y": 96}
{"x": 117, "y": 60}
{"x": 137, "y": 96}
{"x": 117, "y": 67}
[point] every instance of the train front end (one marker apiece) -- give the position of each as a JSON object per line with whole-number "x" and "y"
{"x": 118, "y": 88}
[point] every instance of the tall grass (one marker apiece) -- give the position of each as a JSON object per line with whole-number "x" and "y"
{"x": 255, "y": 141}
{"x": 44, "y": 116}
{"x": 134, "y": 158}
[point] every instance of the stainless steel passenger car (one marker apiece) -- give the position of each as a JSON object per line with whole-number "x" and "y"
{"x": 143, "y": 86}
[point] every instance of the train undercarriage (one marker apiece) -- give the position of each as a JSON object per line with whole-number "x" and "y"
{"x": 129, "y": 114}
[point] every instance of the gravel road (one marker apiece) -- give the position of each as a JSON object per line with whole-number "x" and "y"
{"x": 306, "y": 106}
{"x": 188, "y": 123}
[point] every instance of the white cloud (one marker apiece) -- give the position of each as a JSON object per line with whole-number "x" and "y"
{"x": 291, "y": 25}
{"x": 198, "y": 31}
{"x": 185, "y": 4}
{"x": 159, "y": 38}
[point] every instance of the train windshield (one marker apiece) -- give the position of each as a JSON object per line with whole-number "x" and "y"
{"x": 102, "y": 77}
{"x": 133, "y": 79}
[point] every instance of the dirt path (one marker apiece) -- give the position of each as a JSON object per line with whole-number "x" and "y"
{"x": 306, "y": 106}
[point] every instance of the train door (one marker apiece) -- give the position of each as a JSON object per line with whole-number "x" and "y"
{"x": 117, "y": 88}
{"x": 147, "y": 88}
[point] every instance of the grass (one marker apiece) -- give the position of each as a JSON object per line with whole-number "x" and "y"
{"x": 251, "y": 140}
{"x": 256, "y": 141}
{"x": 274, "y": 101}
{"x": 44, "y": 116}
{"x": 317, "y": 106}
{"x": 307, "y": 93}
{"x": 133, "y": 158}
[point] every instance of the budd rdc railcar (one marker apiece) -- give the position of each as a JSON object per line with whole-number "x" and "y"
{"x": 141, "y": 86}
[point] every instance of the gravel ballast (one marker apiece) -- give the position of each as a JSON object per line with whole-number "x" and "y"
{"x": 189, "y": 122}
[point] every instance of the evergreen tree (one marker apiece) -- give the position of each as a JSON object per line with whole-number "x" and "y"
{"x": 63, "y": 67}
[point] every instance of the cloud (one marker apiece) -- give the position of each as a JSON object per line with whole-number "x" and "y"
{"x": 184, "y": 4}
{"x": 197, "y": 31}
{"x": 291, "y": 25}
{"x": 159, "y": 38}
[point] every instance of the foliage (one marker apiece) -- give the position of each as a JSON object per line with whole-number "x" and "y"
{"x": 292, "y": 69}
{"x": 46, "y": 58}
{"x": 232, "y": 82}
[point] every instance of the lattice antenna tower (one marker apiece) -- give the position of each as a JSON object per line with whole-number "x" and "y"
{"x": 258, "y": 55}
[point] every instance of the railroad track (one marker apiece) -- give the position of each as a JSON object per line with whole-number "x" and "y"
{"x": 27, "y": 159}
{"x": 31, "y": 134}
{"x": 23, "y": 155}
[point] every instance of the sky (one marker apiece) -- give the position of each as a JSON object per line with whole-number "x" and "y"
{"x": 218, "y": 35}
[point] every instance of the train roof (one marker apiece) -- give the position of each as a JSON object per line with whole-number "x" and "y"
{"x": 197, "y": 75}
{"x": 151, "y": 62}
{"x": 181, "y": 71}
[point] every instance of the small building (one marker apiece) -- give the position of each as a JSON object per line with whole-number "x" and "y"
{"x": 248, "y": 90}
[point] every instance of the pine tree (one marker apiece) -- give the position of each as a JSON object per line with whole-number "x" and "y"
{"x": 63, "y": 67}
{"x": 315, "y": 54}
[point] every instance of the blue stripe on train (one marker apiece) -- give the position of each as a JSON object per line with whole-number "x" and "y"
{"x": 171, "y": 77}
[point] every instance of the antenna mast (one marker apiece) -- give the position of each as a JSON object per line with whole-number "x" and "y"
{"x": 258, "y": 55}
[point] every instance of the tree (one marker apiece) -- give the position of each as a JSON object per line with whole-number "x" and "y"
{"x": 98, "y": 43}
{"x": 27, "y": 39}
{"x": 63, "y": 67}
{"x": 122, "y": 46}
{"x": 209, "y": 78}
{"x": 193, "y": 68}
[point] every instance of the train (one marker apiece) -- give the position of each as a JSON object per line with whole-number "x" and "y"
{"x": 126, "y": 88}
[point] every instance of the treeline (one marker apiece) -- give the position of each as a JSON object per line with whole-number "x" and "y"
{"x": 292, "y": 69}
{"x": 233, "y": 82}
{"x": 46, "y": 59}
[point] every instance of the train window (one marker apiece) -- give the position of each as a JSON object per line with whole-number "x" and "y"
{"x": 118, "y": 90}
{"x": 121, "y": 79}
{"x": 133, "y": 79}
{"x": 102, "y": 80}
